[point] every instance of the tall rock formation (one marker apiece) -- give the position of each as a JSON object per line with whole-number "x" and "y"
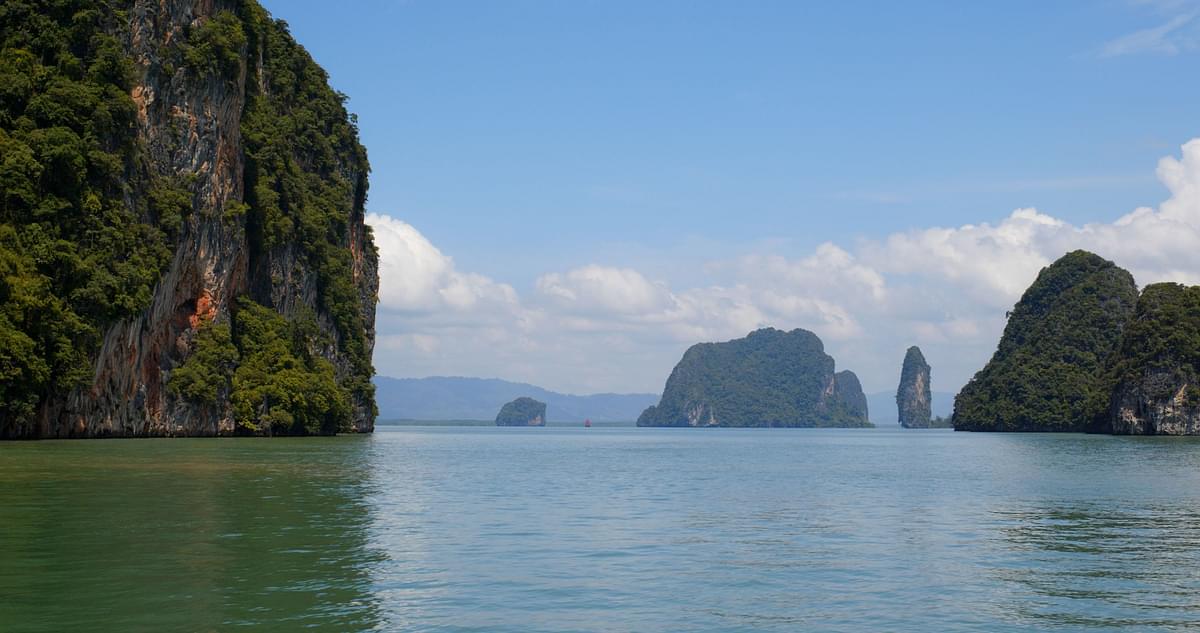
{"x": 522, "y": 412}
{"x": 769, "y": 378}
{"x": 1048, "y": 372}
{"x": 1155, "y": 375}
{"x": 913, "y": 397}
{"x": 189, "y": 192}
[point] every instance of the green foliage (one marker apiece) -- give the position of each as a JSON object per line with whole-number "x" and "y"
{"x": 280, "y": 387}
{"x": 1164, "y": 333}
{"x": 306, "y": 178}
{"x": 170, "y": 202}
{"x": 208, "y": 372}
{"x": 215, "y": 47}
{"x": 265, "y": 366}
{"x": 1160, "y": 349}
{"x": 88, "y": 226}
{"x": 522, "y": 412}
{"x": 40, "y": 337}
{"x": 1047, "y": 373}
{"x": 769, "y": 378}
{"x": 75, "y": 257}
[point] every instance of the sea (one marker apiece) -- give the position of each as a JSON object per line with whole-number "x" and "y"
{"x": 603, "y": 529}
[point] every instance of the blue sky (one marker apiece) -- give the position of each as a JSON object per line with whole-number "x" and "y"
{"x": 678, "y": 141}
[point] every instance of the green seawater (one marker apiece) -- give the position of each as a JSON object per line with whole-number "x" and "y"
{"x": 603, "y": 529}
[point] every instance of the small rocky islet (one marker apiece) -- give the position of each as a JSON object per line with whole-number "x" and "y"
{"x": 522, "y": 412}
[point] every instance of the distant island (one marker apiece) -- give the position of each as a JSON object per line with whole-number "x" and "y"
{"x": 522, "y": 412}
{"x": 461, "y": 398}
{"x": 770, "y": 378}
{"x": 1082, "y": 351}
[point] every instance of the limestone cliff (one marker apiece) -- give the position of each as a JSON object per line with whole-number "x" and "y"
{"x": 769, "y": 378}
{"x": 913, "y": 396}
{"x": 246, "y": 167}
{"x": 848, "y": 402}
{"x": 1156, "y": 373}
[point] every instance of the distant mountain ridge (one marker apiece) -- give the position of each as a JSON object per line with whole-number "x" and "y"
{"x": 463, "y": 398}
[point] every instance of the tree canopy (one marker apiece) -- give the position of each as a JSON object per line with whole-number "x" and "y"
{"x": 1048, "y": 371}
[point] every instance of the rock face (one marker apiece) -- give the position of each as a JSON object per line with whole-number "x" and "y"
{"x": 913, "y": 397}
{"x": 849, "y": 399}
{"x": 213, "y": 84}
{"x": 1156, "y": 373}
{"x": 770, "y": 378}
{"x": 522, "y": 412}
{"x": 1048, "y": 372}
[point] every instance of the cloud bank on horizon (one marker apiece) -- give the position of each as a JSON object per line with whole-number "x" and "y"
{"x": 611, "y": 328}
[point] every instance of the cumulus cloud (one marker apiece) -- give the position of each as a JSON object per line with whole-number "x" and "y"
{"x": 600, "y": 328}
{"x": 994, "y": 263}
{"x": 414, "y": 276}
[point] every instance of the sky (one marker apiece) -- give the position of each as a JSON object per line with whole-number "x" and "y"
{"x": 572, "y": 193}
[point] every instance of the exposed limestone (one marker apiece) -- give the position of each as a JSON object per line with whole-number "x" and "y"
{"x": 913, "y": 397}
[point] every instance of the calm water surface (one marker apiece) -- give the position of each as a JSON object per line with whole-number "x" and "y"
{"x": 484, "y": 529}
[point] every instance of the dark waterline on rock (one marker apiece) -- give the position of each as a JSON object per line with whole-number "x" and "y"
{"x": 485, "y": 529}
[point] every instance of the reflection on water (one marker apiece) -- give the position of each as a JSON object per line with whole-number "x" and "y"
{"x": 1104, "y": 566}
{"x": 185, "y": 535}
{"x": 480, "y": 529}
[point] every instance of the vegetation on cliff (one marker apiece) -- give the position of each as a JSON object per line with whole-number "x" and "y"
{"x": 1163, "y": 335}
{"x": 1048, "y": 372}
{"x": 768, "y": 378}
{"x": 1154, "y": 378}
{"x": 304, "y": 164}
{"x": 75, "y": 256}
{"x": 522, "y": 412}
{"x": 266, "y": 366}
{"x": 89, "y": 223}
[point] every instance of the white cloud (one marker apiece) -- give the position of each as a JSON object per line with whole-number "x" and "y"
{"x": 606, "y": 328}
{"x": 414, "y": 276}
{"x": 1169, "y": 38}
{"x": 605, "y": 289}
{"x": 994, "y": 263}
